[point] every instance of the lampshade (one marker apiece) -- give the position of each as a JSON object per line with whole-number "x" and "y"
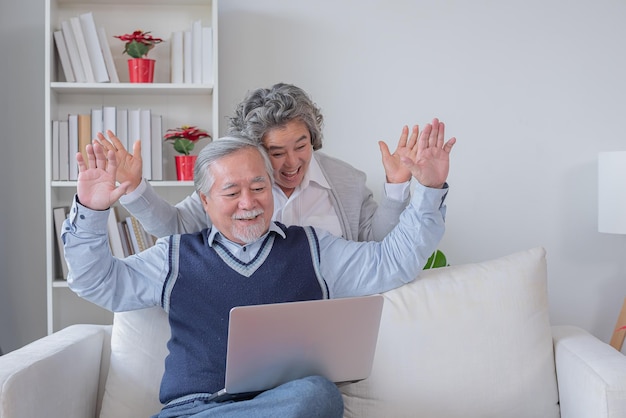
{"x": 612, "y": 192}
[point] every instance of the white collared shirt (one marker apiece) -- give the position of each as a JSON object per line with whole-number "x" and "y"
{"x": 309, "y": 204}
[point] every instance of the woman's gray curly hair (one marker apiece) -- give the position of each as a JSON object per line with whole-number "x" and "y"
{"x": 264, "y": 109}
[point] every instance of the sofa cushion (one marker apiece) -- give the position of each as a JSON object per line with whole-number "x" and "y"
{"x": 138, "y": 350}
{"x": 464, "y": 341}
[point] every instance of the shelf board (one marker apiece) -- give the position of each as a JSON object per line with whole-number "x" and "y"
{"x": 131, "y": 88}
{"x": 133, "y": 2}
{"x": 164, "y": 183}
{"x": 60, "y": 283}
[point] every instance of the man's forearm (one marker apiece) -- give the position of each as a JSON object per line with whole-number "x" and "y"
{"x": 97, "y": 276}
{"x": 159, "y": 217}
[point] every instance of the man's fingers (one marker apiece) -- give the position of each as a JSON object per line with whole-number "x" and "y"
{"x": 80, "y": 160}
{"x": 441, "y": 135}
{"x": 424, "y": 137}
{"x": 119, "y": 191}
{"x": 404, "y": 136}
{"x": 105, "y": 143}
{"x": 414, "y": 135}
{"x": 384, "y": 149}
{"x": 91, "y": 156}
{"x": 434, "y": 133}
{"x": 137, "y": 149}
{"x": 115, "y": 141}
{"x": 448, "y": 145}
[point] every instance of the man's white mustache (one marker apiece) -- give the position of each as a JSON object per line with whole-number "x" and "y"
{"x": 248, "y": 215}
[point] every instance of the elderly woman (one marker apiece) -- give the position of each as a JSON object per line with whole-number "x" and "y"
{"x": 311, "y": 188}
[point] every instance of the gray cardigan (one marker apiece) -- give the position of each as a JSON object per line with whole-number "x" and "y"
{"x": 360, "y": 217}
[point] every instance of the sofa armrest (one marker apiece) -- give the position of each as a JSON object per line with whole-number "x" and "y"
{"x": 591, "y": 375}
{"x": 55, "y": 376}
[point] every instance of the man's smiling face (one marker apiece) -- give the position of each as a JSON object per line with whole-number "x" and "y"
{"x": 240, "y": 202}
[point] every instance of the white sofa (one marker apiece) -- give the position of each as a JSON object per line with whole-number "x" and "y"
{"x": 471, "y": 341}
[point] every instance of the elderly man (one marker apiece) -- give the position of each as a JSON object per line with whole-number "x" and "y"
{"x": 243, "y": 259}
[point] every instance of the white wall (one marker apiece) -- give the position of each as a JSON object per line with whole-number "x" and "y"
{"x": 532, "y": 90}
{"x": 22, "y": 224}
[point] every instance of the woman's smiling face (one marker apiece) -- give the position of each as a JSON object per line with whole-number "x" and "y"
{"x": 290, "y": 151}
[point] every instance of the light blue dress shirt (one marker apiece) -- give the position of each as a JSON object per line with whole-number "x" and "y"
{"x": 349, "y": 268}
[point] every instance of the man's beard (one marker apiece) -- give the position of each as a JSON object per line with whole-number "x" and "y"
{"x": 250, "y": 233}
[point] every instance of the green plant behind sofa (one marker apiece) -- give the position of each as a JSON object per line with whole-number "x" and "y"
{"x": 437, "y": 259}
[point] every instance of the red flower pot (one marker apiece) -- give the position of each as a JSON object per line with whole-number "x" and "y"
{"x": 141, "y": 70}
{"x": 184, "y": 166}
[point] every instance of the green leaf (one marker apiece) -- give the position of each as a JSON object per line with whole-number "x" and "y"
{"x": 183, "y": 146}
{"x": 437, "y": 259}
{"x": 136, "y": 49}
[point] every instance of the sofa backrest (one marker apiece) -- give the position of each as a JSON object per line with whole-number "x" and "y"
{"x": 471, "y": 341}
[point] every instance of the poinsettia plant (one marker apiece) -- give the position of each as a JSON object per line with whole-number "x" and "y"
{"x": 185, "y": 137}
{"x": 138, "y": 43}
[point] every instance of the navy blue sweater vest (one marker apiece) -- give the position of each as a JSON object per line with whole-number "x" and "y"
{"x": 206, "y": 282}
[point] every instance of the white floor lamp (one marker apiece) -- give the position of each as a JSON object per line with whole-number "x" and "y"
{"x": 612, "y": 215}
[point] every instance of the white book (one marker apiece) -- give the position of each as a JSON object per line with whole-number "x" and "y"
{"x": 64, "y": 151}
{"x": 96, "y": 122}
{"x": 137, "y": 235}
{"x": 55, "y": 150}
{"x": 156, "y": 131}
{"x": 94, "y": 50}
{"x": 115, "y": 239}
{"x": 187, "y": 52}
{"x": 72, "y": 121}
{"x": 59, "y": 215}
{"x": 196, "y": 52}
{"x": 109, "y": 120}
{"x": 135, "y": 243}
{"x": 82, "y": 49}
{"x": 108, "y": 56}
{"x": 176, "y": 57}
{"x": 145, "y": 127}
{"x": 72, "y": 51}
{"x": 133, "y": 128}
{"x": 122, "y": 128}
{"x": 207, "y": 55}
{"x": 123, "y": 230}
{"x": 66, "y": 65}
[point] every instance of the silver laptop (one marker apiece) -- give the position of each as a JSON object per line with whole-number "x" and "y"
{"x": 269, "y": 345}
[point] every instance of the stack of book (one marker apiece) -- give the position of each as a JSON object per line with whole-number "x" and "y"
{"x": 84, "y": 51}
{"x": 71, "y": 135}
{"x": 126, "y": 236}
{"x": 192, "y": 55}
{"x": 59, "y": 215}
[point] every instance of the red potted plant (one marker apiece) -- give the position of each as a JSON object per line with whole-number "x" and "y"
{"x": 138, "y": 44}
{"x": 184, "y": 139}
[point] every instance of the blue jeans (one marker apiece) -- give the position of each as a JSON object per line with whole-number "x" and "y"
{"x": 313, "y": 396}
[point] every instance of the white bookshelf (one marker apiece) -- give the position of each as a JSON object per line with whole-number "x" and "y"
{"x": 178, "y": 104}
